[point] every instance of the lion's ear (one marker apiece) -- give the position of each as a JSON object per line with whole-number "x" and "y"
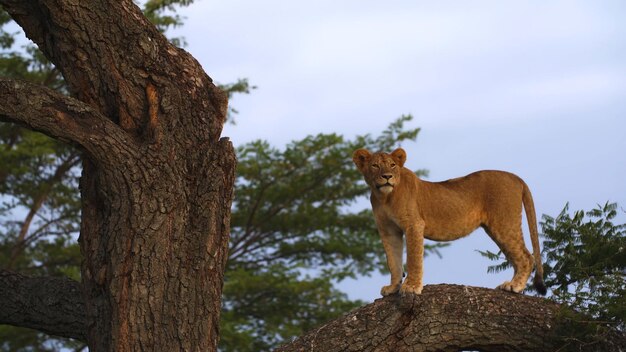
{"x": 360, "y": 158}
{"x": 399, "y": 155}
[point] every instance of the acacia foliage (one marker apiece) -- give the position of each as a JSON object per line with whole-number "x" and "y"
{"x": 584, "y": 263}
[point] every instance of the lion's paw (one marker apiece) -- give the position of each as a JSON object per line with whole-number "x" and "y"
{"x": 389, "y": 290}
{"x": 509, "y": 287}
{"x": 408, "y": 289}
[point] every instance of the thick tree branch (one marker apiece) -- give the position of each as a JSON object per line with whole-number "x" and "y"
{"x": 123, "y": 70}
{"x": 446, "y": 318}
{"x": 51, "y": 305}
{"x": 61, "y": 117}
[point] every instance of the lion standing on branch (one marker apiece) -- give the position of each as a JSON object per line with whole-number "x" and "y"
{"x": 446, "y": 211}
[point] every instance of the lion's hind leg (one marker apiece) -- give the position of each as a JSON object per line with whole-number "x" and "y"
{"x": 511, "y": 242}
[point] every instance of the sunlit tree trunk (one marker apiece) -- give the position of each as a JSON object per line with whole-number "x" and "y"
{"x": 157, "y": 179}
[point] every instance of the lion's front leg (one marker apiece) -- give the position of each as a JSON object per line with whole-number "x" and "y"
{"x": 415, "y": 260}
{"x": 392, "y": 242}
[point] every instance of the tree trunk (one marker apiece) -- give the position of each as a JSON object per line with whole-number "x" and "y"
{"x": 452, "y": 318}
{"x": 157, "y": 179}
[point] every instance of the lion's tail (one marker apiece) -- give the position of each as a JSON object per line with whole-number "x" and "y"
{"x": 529, "y": 207}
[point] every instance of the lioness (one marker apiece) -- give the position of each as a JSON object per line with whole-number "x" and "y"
{"x": 446, "y": 211}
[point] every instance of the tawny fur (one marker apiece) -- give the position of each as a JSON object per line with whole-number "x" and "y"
{"x": 446, "y": 211}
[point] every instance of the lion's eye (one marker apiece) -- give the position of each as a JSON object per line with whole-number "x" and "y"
{"x": 393, "y": 165}
{"x": 375, "y": 166}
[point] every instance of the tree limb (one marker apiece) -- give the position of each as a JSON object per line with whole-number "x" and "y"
{"x": 445, "y": 318}
{"x": 51, "y": 305}
{"x": 78, "y": 38}
{"x": 58, "y": 116}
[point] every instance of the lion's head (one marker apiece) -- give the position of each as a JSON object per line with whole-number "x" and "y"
{"x": 381, "y": 170}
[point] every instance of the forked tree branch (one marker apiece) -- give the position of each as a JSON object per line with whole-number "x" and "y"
{"x": 128, "y": 71}
{"x": 61, "y": 117}
{"x": 51, "y": 305}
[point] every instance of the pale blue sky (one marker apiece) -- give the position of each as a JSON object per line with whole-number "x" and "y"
{"x": 533, "y": 87}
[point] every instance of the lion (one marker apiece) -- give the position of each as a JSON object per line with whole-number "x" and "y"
{"x": 445, "y": 211}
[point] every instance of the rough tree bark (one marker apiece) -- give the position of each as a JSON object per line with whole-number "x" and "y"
{"x": 450, "y": 318}
{"x": 157, "y": 179}
{"x": 51, "y": 305}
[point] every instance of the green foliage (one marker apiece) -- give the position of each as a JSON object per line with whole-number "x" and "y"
{"x": 584, "y": 267}
{"x": 6, "y": 39}
{"x": 13, "y": 339}
{"x": 25, "y": 61}
{"x": 263, "y": 307}
{"x": 28, "y": 63}
{"x": 504, "y": 265}
{"x": 162, "y": 13}
{"x": 585, "y": 262}
{"x": 242, "y": 86}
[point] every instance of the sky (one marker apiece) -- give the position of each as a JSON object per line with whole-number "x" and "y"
{"x": 537, "y": 88}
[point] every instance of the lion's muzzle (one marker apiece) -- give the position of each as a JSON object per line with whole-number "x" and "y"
{"x": 386, "y": 188}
